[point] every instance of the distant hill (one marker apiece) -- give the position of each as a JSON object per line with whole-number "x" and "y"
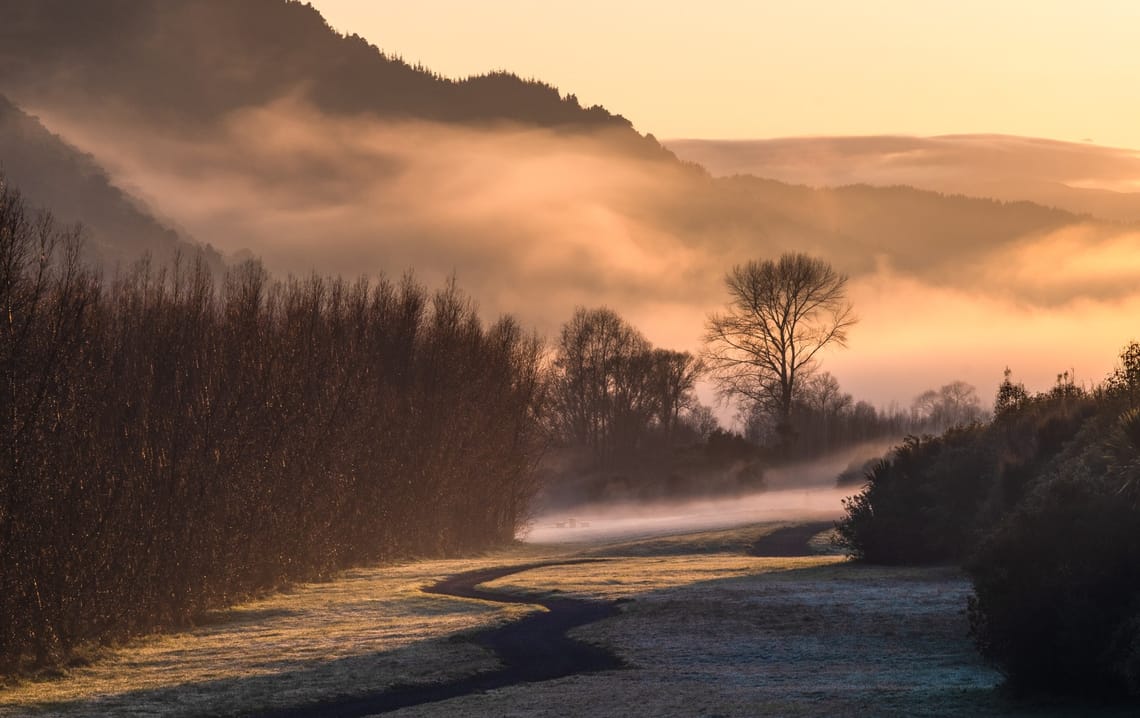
{"x": 1083, "y": 178}
{"x": 256, "y": 126}
{"x": 918, "y": 230}
{"x": 191, "y": 61}
{"x": 53, "y": 175}
{"x": 943, "y": 240}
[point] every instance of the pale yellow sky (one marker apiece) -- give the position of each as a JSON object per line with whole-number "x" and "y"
{"x": 752, "y": 68}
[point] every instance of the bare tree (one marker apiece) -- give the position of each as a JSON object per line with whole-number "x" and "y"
{"x": 781, "y": 314}
{"x": 675, "y": 377}
{"x": 602, "y": 377}
{"x": 612, "y": 389}
{"x": 954, "y": 404}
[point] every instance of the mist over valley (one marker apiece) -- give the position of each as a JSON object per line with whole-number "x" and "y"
{"x": 335, "y": 385}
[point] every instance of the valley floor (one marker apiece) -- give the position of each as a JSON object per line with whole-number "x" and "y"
{"x": 704, "y": 630}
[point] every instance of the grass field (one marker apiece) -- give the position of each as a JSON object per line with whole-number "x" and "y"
{"x": 704, "y": 630}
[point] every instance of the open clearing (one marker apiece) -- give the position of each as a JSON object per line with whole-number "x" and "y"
{"x": 704, "y": 629}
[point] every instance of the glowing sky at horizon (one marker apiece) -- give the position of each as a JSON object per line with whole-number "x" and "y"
{"x": 747, "y": 68}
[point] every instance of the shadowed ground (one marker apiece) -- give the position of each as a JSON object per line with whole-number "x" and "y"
{"x": 789, "y": 541}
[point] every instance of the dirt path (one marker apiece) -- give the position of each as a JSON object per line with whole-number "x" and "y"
{"x": 534, "y": 648}
{"x": 789, "y": 541}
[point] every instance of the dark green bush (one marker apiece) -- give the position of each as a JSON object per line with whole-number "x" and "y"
{"x": 1044, "y": 505}
{"x": 1057, "y": 583}
{"x": 920, "y": 503}
{"x": 1027, "y": 440}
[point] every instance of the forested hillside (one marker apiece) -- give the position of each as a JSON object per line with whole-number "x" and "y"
{"x": 197, "y": 60}
{"x": 255, "y": 126}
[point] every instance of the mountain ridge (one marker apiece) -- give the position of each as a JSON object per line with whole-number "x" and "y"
{"x": 1078, "y": 177}
{"x": 198, "y": 60}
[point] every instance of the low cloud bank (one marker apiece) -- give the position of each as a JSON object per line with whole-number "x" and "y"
{"x": 535, "y": 221}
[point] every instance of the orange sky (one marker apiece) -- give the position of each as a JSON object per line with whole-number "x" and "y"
{"x": 752, "y": 68}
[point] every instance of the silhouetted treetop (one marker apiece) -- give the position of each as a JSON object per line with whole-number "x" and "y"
{"x": 200, "y": 59}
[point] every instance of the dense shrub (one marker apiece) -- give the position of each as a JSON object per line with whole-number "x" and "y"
{"x": 1057, "y": 585}
{"x": 1043, "y": 506}
{"x": 1028, "y": 438}
{"x": 168, "y": 446}
{"x": 934, "y": 497}
{"x": 920, "y": 503}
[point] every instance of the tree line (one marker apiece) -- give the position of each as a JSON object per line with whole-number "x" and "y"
{"x": 612, "y": 390}
{"x": 173, "y": 442}
{"x": 170, "y": 444}
{"x": 629, "y": 425}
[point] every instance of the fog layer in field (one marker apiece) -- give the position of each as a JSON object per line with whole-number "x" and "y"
{"x": 798, "y": 492}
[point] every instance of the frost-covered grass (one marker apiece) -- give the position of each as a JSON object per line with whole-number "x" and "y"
{"x": 795, "y": 637}
{"x": 705, "y": 630}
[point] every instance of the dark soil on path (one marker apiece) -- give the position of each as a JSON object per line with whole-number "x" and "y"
{"x": 533, "y": 648}
{"x": 789, "y": 541}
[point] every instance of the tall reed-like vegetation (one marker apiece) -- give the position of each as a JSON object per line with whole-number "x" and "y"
{"x": 169, "y": 443}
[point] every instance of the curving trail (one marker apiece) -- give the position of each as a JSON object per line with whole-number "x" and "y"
{"x": 533, "y": 648}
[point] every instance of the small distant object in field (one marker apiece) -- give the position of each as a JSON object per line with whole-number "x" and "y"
{"x": 572, "y": 524}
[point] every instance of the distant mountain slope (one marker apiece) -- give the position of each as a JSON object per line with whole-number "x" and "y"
{"x": 254, "y": 125}
{"x": 198, "y": 60}
{"x": 944, "y": 240}
{"x": 1079, "y": 177}
{"x": 54, "y": 175}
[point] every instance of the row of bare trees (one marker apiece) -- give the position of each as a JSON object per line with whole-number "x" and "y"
{"x": 612, "y": 390}
{"x": 168, "y": 445}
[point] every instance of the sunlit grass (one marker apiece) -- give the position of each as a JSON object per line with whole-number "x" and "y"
{"x": 627, "y": 577}
{"x": 366, "y": 630}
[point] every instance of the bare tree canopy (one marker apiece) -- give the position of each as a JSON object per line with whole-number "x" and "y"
{"x": 611, "y": 387}
{"x": 781, "y": 314}
{"x": 955, "y": 404}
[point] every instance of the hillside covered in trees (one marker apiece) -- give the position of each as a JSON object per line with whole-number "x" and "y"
{"x": 197, "y": 60}
{"x": 255, "y": 126}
